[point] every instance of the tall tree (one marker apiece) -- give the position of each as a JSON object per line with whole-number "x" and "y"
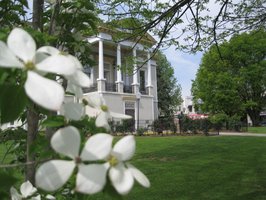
{"x": 169, "y": 91}
{"x": 232, "y": 78}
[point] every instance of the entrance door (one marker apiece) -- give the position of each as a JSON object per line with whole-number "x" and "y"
{"x": 130, "y": 110}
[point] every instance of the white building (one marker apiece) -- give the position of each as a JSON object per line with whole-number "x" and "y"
{"x": 133, "y": 94}
{"x": 188, "y": 107}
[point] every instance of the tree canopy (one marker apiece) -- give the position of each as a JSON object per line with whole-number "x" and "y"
{"x": 232, "y": 78}
{"x": 169, "y": 91}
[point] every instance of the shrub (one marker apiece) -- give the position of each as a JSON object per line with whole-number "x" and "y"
{"x": 164, "y": 123}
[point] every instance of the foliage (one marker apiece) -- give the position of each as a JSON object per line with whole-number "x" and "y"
{"x": 13, "y": 13}
{"x": 169, "y": 91}
{"x": 127, "y": 125}
{"x": 232, "y": 77}
{"x": 218, "y": 120}
{"x": 164, "y": 123}
{"x": 195, "y": 126}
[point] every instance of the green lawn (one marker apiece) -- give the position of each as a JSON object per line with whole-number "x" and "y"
{"x": 261, "y": 129}
{"x": 200, "y": 168}
{"x": 195, "y": 168}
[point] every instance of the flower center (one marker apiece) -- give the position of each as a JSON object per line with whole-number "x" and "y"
{"x": 85, "y": 102}
{"x": 63, "y": 53}
{"x": 29, "y": 65}
{"x": 104, "y": 108}
{"x": 78, "y": 160}
{"x": 113, "y": 161}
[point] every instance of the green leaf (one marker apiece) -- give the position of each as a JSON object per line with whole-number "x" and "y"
{"x": 12, "y": 102}
{"x": 6, "y": 181}
{"x": 54, "y": 121}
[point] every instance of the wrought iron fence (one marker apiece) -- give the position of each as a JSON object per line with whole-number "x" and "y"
{"x": 111, "y": 87}
{"x": 128, "y": 89}
{"x": 143, "y": 91}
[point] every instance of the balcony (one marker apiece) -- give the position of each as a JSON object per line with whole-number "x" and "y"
{"x": 110, "y": 87}
{"x": 143, "y": 91}
{"x": 128, "y": 89}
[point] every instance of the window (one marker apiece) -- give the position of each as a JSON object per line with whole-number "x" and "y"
{"x": 130, "y": 108}
{"x": 142, "y": 81}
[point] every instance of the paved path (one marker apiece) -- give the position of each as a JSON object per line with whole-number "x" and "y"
{"x": 242, "y": 134}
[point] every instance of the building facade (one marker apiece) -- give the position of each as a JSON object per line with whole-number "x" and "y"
{"x": 127, "y": 87}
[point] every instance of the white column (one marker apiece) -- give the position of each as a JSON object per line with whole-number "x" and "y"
{"x": 101, "y": 62}
{"x": 118, "y": 63}
{"x": 149, "y": 86}
{"x": 92, "y": 74}
{"x": 119, "y": 82}
{"x": 135, "y": 69}
{"x": 149, "y": 70}
{"x": 101, "y": 80}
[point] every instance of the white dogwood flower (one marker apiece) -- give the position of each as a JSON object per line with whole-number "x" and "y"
{"x": 121, "y": 173}
{"x": 104, "y": 114}
{"x": 53, "y": 174}
{"x": 75, "y": 81}
{"x": 20, "y": 52}
{"x": 26, "y": 190}
{"x": 72, "y": 110}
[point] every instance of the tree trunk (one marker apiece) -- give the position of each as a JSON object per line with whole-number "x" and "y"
{"x": 37, "y": 15}
{"x": 32, "y": 114}
{"x": 33, "y": 120}
{"x": 55, "y": 14}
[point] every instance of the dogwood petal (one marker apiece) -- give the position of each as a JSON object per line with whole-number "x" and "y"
{"x": 119, "y": 116}
{"x": 91, "y": 178}
{"x": 53, "y": 174}
{"x": 139, "y": 176}
{"x": 121, "y": 179}
{"x": 80, "y": 78}
{"x": 66, "y": 141}
{"x": 14, "y": 194}
{"x": 49, "y": 50}
{"x": 73, "y": 111}
{"x": 97, "y": 147}
{"x": 74, "y": 89}
{"x": 7, "y": 57}
{"x": 76, "y": 61}
{"x": 50, "y": 197}
{"x": 124, "y": 149}
{"x": 22, "y": 44}
{"x": 102, "y": 120}
{"x": 38, "y": 197}
{"x": 95, "y": 100}
{"x": 58, "y": 64}
{"x": 45, "y": 92}
{"x": 27, "y": 189}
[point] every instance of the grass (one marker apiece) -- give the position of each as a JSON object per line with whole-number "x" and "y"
{"x": 261, "y": 129}
{"x": 199, "y": 168}
{"x": 195, "y": 168}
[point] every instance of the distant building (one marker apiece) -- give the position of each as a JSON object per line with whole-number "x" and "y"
{"x": 188, "y": 107}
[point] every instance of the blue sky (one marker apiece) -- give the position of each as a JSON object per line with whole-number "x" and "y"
{"x": 185, "y": 66}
